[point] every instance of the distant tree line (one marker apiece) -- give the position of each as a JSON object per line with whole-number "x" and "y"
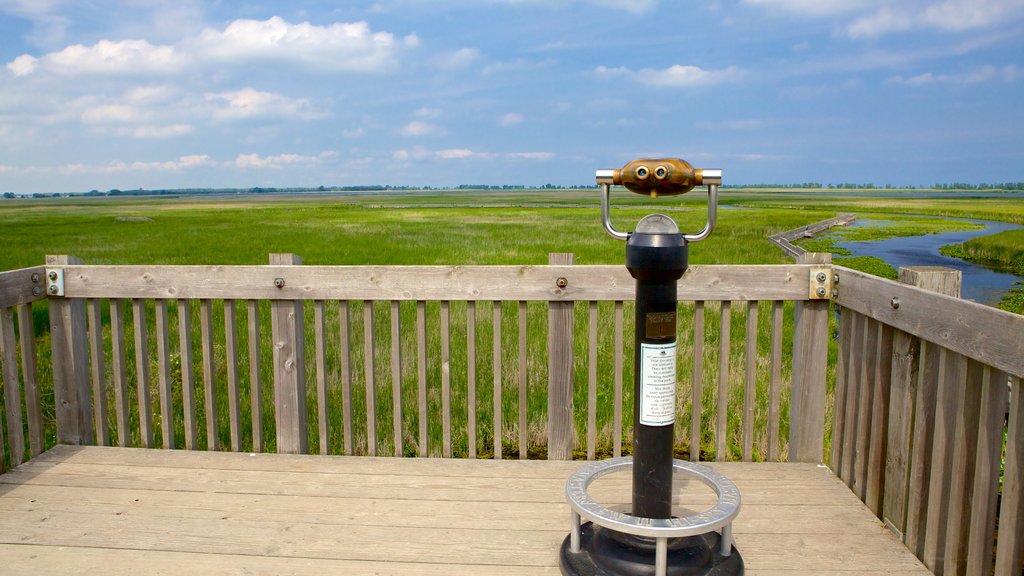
{"x": 1007, "y": 186}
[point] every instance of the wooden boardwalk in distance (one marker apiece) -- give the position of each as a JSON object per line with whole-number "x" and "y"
{"x": 76, "y": 510}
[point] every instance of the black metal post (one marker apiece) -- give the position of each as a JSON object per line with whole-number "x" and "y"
{"x": 656, "y": 255}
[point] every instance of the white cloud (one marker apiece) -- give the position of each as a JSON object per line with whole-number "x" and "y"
{"x": 420, "y": 153}
{"x": 249, "y": 103}
{"x": 117, "y": 166}
{"x": 531, "y": 155}
{"x": 349, "y": 47}
{"x": 633, "y": 6}
{"x": 111, "y": 114}
{"x": 106, "y": 57}
{"x": 278, "y": 161}
{"x": 980, "y": 75}
{"x": 22, "y": 65}
{"x": 418, "y": 128}
{"x": 459, "y": 59}
{"x": 511, "y": 119}
{"x": 809, "y": 7}
{"x": 456, "y": 153}
{"x": 874, "y": 18}
{"x": 682, "y": 76}
{"x": 339, "y": 46}
{"x": 427, "y": 113}
{"x": 151, "y": 132}
{"x": 948, "y": 15}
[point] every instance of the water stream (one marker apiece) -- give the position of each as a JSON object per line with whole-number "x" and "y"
{"x": 980, "y": 283}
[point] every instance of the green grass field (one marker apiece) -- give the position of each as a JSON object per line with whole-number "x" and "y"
{"x": 455, "y": 228}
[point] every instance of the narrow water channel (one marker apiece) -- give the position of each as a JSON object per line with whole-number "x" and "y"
{"x": 980, "y": 284}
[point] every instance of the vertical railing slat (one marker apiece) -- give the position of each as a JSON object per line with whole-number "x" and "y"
{"x": 617, "y": 369}
{"x": 923, "y": 438}
{"x": 231, "y": 367}
{"x": 865, "y": 391}
{"x": 70, "y": 362}
{"x": 345, "y": 355}
{"x": 879, "y": 419}
{"x": 471, "y": 407}
{"x": 916, "y": 450}
{"x": 903, "y": 386}
{"x": 842, "y": 388}
{"x": 952, "y": 376}
{"x": 163, "y": 358}
{"x": 697, "y": 386}
{"x": 446, "y": 381}
{"x": 853, "y": 385}
{"x": 188, "y": 387}
{"x": 1010, "y": 547}
{"x": 99, "y": 373}
{"x": 255, "y": 388}
{"x": 288, "y": 339}
{"x": 396, "y": 376}
{"x": 497, "y": 415}
{"x": 592, "y": 383}
{"x": 560, "y": 371}
{"x": 985, "y": 492}
{"x": 12, "y": 388}
{"x": 775, "y": 383}
{"x": 141, "y": 331}
{"x": 810, "y": 365}
{"x": 30, "y": 375}
{"x": 320, "y": 354}
{"x": 370, "y": 379}
{"x": 964, "y": 458}
{"x": 522, "y": 381}
{"x": 750, "y": 383}
{"x": 722, "y": 426}
{"x": 209, "y": 373}
{"x": 421, "y": 375}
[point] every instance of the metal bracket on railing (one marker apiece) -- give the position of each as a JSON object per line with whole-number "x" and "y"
{"x": 55, "y": 281}
{"x": 820, "y": 285}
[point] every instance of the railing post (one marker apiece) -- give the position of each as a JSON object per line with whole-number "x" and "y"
{"x": 288, "y": 333}
{"x": 906, "y": 356}
{"x": 560, "y": 371}
{"x": 810, "y": 358}
{"x": 70, "y": 364}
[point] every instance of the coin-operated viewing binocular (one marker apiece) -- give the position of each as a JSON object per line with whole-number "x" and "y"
{"x": 652, "y": 539}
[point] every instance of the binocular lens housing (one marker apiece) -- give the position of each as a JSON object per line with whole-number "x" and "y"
{"x": 672, "y": 176}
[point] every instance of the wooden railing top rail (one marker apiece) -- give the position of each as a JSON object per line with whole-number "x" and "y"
{"x": 527, "y": 283}
{"x": 22, "y": 286}
{"x": 988, "y": 335}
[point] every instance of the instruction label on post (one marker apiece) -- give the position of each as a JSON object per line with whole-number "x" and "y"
{"x": 657, "y": 384}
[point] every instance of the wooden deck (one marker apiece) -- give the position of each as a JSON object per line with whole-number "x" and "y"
{"x": 92, "y": 510}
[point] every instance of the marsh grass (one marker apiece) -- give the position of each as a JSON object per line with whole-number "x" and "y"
{"x": 427, "y": 229}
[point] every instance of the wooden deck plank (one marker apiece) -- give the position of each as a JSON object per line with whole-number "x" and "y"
{"x": 112, "y": 510}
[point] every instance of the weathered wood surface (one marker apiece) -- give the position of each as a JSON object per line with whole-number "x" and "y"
{"x": 1010, "y": 550}
{"x": 115, "y": 511}
{"x": 289, "y": 365}
{"x": 70, "y": 360}
{"x": 976, "y": 331}
{"x": 784, "y": 240}
{"x": 560, "y": 372}
{"x": 810, "y": 360}
{"x": 16, "y": 286}
{"x": 529, "y": 283}
{"x": 30, "y": 376}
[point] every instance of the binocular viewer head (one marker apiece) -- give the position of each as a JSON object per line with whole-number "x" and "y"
{"x": 659, "y": 177}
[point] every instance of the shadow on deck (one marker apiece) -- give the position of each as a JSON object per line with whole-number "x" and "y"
{"x": 116, "y": 511}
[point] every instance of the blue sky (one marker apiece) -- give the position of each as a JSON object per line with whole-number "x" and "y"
{"x": 152, "y": 94}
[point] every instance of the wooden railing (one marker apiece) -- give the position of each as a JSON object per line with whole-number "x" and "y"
{"x": 125, "y": 340}
{"x": 924, "y": 384}
{"x": 419, "y": 360}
